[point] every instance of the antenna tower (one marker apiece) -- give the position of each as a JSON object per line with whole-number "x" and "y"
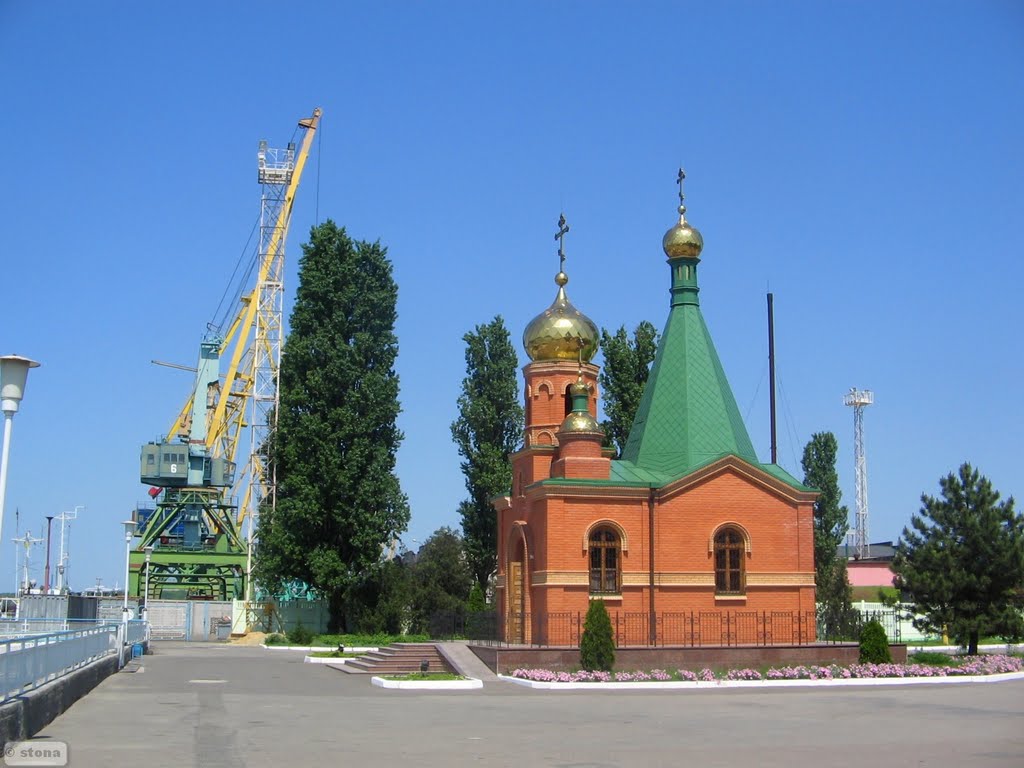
{"x": 858, "y": 399}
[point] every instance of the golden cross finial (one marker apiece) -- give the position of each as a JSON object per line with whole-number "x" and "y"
{"x": 563, "y": 229}
{"x": 679, "y": 180}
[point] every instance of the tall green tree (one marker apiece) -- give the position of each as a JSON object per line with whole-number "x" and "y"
{"x": 627, "y": 364}
{"x": 961, "y": 562}
{"x": 441, "y": 581}
{"x": 830, "y": 526}
{"x": 488, "y": 429}
{"x": 339, "y": 502}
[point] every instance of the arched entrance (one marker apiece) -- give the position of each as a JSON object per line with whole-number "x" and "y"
{"x": 515, "y": 626}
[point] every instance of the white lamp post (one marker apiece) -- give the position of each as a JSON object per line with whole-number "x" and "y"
{"x": 129, "y": 530}
{"x": 145, "y": 605}
{"x": 13, "y": 373}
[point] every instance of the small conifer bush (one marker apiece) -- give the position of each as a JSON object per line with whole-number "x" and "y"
{"x": 874, "y": 645}
{"x": 299, "y": 635}
{"x": 597, "y": 647}
{"x": 477, "y": 601}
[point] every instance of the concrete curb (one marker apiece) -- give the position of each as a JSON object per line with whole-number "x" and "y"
{"x": 312, "y": 648}
{"x": 325, "y": 660}
{"x": 718, "y": 684}
{"x": 428, "y": 685}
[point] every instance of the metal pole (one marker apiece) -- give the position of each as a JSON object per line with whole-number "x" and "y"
{"x": 4, "y": 455}
{"x": 46, "y": 571}
{"x": 771, "y": 375}
{"x": 653, "y": 629}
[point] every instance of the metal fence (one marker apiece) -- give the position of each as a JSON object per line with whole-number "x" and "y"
{"x": 34, "y": 660}
{"x": 684, "y": 628}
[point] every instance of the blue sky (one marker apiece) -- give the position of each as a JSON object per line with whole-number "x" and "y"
{"x": 863, "y": 160}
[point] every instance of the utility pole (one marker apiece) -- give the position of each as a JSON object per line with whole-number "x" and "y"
{"x": 62, "y": 563}
{"x": 27, "y": 541}
{"x": 46, "y": 571}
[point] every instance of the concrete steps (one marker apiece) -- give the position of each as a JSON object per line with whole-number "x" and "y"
{"x": 397, "y": 659}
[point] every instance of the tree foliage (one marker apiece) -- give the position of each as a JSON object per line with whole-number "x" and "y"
{"x": 830, "y": 526}
{"x": 489, "y": 427}
{"x": 338, "y": 499}
{"x": 961, "y": 562}
{"x": 627, "y": 364}
{"x": 440, "y": 580}
{"x": 597, "y": 646}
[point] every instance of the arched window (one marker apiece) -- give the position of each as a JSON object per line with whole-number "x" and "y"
{"x": 729, "y": 571}
{"x": 605, "y": 548}
{"x": 568, "y": 399}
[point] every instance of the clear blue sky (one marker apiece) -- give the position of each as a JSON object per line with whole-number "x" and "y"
{"x": 864, "y": 160}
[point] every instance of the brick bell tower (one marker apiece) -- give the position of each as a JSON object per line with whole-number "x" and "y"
{"x": 560, "y": 381}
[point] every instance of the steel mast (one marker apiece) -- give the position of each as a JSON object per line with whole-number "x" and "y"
{"x": 858, "y": 399}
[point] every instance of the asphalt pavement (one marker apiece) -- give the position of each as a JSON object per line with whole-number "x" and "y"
{"x": 217, "y": 706}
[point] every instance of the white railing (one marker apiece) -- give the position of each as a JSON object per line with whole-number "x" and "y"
{"x": 34, "y": 660}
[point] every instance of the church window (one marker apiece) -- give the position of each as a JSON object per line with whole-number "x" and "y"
{"x": 568, "y": 400}
{"x": 605, "y": 549}
{"x": 729, "y": 571}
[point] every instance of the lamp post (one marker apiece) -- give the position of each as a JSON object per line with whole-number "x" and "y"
{"x": 13, "y": 373}
{"x": 129, "y": 530}
{"x": 145, "y": 604}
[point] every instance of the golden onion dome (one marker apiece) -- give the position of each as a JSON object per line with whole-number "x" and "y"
{"x": 579, "y": 419}
{"x": 682, "y": 240}
{"x": 561, "y": 332}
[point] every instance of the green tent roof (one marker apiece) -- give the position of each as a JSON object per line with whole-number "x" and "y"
{"x": 688, "y": 416}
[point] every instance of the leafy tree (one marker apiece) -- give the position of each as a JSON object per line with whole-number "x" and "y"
{"x": 597, "y": 646}
{"x": 623, "y": 376}
{"x": 382, "y": 599}
{"x": 441, "y": 579}
{"x": 338, "y": 500}
{"x": 830, "y": 525}
{"x": 488, "y": 429}
{"x": 961, "y": 563}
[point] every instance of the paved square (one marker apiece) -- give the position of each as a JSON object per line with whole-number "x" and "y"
{"x": 220, "y": 705}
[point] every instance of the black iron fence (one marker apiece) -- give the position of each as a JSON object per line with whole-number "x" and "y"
{"x": 685, "y": 628}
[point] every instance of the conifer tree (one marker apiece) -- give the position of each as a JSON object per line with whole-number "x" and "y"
{"x": 489, "y": 427}
{"x": 961, "y": 562}
{"x": 830, "y": 526}
{"x": 627, "y": 364}
{"x": 339, "y": 503}
{"x": 597, "y": 646}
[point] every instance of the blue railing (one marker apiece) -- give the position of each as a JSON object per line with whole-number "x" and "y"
{"x": 32, "y": 659}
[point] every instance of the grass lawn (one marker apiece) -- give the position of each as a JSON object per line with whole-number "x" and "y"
{"x": 425, "y": 676}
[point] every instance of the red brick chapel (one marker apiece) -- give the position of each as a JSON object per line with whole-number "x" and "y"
{"x": 688, "y": 526}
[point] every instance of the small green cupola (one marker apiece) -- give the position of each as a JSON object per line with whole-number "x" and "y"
{"x": 687, "y": 416}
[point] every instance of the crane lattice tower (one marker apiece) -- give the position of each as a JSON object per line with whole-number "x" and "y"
{"x": 858, "y": 399}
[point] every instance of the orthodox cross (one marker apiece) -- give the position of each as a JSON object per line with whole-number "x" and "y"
{"x": 563, "y": 228}
{"x": 679, "y": 180}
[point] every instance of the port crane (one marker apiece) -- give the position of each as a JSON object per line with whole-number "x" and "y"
{"x": 191, "y": 541}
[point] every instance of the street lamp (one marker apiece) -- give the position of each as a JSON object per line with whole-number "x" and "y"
{"x": 145, "y": 604}
{"x": 129, "y": 530}
{"x": 13, "y": 373}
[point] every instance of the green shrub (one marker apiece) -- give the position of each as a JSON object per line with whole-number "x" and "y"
{"x": 376, "y": 640}
{"x": 275, "y": 639}
{"x": 597, "y": 647}
{"x": 874, "y": 645}
{"x": 300, "y": 635}
{"x": 934, "y": 659}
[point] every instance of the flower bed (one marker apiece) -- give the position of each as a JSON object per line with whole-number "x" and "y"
{"x": 969, "y": 666}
